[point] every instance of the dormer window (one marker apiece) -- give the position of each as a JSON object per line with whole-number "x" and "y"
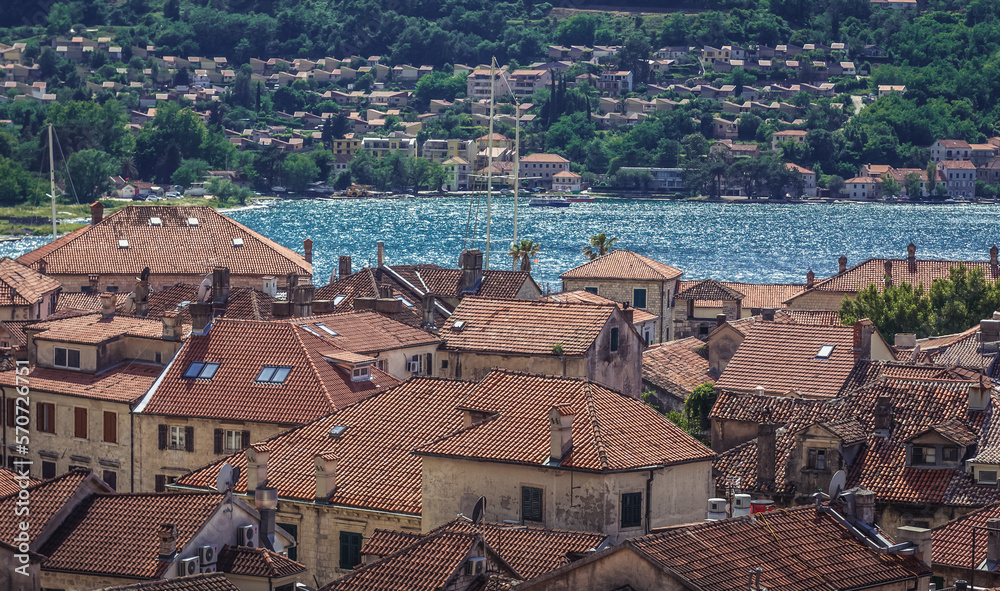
{"x": 825, "y": 351}
{"x": 201, "y": 370}
{"x": 272, "y": 374}
{"x": 237, "y": 242}
{"x": 122, "y": 243}
{"x": 155, "y": 221}
{"x": 192, "y": 221}
{"x": 986, "y": 477}
{"x": 361, "y": 373}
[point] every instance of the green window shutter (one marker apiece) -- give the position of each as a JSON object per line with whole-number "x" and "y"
{"x": 531, "y": 503}
{"x": 631, "y": 510}
{"x": 350, "y": 549}
{"x": 614, "y": 339}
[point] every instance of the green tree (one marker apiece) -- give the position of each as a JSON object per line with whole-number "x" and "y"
{"x": 190, "y": 172}
{"x": 890, "y": 186}
{"x": 91, "y": 172}
{"x": 524, "y": 251}
{"x": 836, "y": 185}
{"x": 898, "y": 308}
{"x": 962, "y": 300}
{"x": 299, "y": 171}
{"x": 697, "y": 408}
{"x": 911, "y": 184}
{"x": 242, "y": 91}
{"x": 600, "y": 245}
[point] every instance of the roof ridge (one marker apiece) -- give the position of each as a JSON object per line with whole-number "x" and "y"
{"x": 599, "y": 442}
{"x": 312, "y": 365}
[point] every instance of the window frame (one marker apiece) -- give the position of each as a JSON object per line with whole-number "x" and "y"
{"x": 272, "y": 372}
{"x": 176, "y": 439}
{"x": 110, "y": 418}
{"x": 237, "y": 439}
{"x": 635, "y": 298}
{"x": 614, "y": 339}
{"x": 46, "y": 421}
{"x": 350, "y": 548}
{"x": 67, "y": 355}
{"x": 631, "y": 510}
{"x": 203, "y": 367}
{"x": 532, "y": 504}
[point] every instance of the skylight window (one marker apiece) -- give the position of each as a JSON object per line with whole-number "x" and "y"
{"x": 338, "y": 298}
{"x": 458, "y": 325}
{"x": 272, "y": 374}
{"x": 337, "y": 431}
{"x": 327, "y": 329}
{"x": 122, "y": 243}
{"x": 201, "y": 370}
{"x": 237, "y": 242}
{"x": 405, "y": 301}
{"x": 309, "y": 329}
{"x": 192, "y": 221}
{"x": 824, "y": 352}
{"x": 155, "y": 221}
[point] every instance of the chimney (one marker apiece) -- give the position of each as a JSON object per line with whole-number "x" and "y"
{"x": 171, "y": 326}
{"x": 326, "y": 475}
{"x": 291, "y": 280}
{"x": 989, "y": 330}
{"x": 628, "y": 312}
{"x": 364, "y": 304}
{"x": 427, "y": 312}
{"x": 381, "y": 253}
{"x": 168, "y": 541}
{"x": 281, "y": 309}
{"x": 864, "y": 506}
{"x": 919, "y": 537}
{"x": 842, "y": 264}
{"x": 266, "y": 501}
{"x": 471, "y": 263}
{"x": 141, "y": 293}
{"x": 992, "y": 543}
{"x": 256, "y": 456}
{"x": 321, "y": 307}
{"x": 93, "y": 280}
{"x": 560, "y": 432}
{"x": 888, "y": 272}
{"x": 201, "y": 317}
{"x": 993, "y": 256}
{"x": 307, "y": 249}
{"x": 302, "y": 300}
{"x": 863, "y": 330}
{"x": 980, "y": 394}
{"x": 883, "y": 416}
{"x": 810, "y": 279}
{"x": 905, "y": 340}
{"x": 765, "y": 455}
{"x": 961, "y": 585}
{"x": 911, "y": 252}
{"x": 96, "y": 213}
{"x": 767, "y": 315}
{"x": 220, "y": 286}
{"x": 388, "y": 305}
{"x": 344, "y": 267}
{"x": 108, "y": 305}
{"x": 270, "y": 286}
{"x": 720, "y": 319}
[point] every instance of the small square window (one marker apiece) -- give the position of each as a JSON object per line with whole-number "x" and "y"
{"x": 155, "y": 222}
{"x": 825, "y": 351}
{"x": 192, "y": 221}
{"x": 338, "y": 298}
{"x": 237, "y": 242}
{"x": 123, "y": 243}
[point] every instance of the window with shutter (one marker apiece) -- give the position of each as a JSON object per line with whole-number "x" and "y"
{"x": 46, "y": 421}
{"x": 531, "y": 503}
{"x": 188, "y": 438}
{"x": 217, "y": 441}
{"x": 631, "y": 510}
{"x": 11, "y": 412}
{"x": 80, "y": 422}
{"x": 111, "y": 477}
{"x": 110, "y": 427}
{"x": 350, "y": 549}
{"x": 163, "y": 435}
{"x": 161, "y": 483}
{"x": 246, "y": 439}
{"x": 48, "y": 469}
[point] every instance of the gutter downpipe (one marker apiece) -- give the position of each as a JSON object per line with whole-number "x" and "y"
{"x": 649, "y": 499}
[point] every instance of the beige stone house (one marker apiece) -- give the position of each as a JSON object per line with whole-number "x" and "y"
{"x": 626, "y": 276}
{"x": 26, "y": 294}
{"x": 592, "y": 341}
{"x": 644, "y": 322}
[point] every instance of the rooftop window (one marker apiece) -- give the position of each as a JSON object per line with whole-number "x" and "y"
{"x": 361, "y": 373}
{"x": 201, "y": 370}
{"x": 272, "y": 374}
{"x": 123, "y": 243}
{"x": 825, "y": 351}
{"x": 458, "y": 325}
{"x": 337, "y": 431}
{"x": 327, "y": 329}
{"x": 155, "y": 222}
{"x": 237, "y": 242}
{"x": 338, "y": 298}
{"x": 405, "y": 301}
{"x": 309, "y": 329}
{"x": 192, "y": 221}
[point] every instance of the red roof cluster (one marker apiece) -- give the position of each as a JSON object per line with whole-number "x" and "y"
{"x": 581, "y": 296}
{"x": 676, "y": 366}
{"x": 623, "y": 264}
{"x": 256, "y": 562}
{"x": 21, "y": 285}
{"x": 125, "y": 382}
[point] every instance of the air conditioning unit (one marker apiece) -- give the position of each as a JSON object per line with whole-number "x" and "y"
{"x": 247, "y": 536}
{"x": 189, "y": 566}
{"x": 475, "y": 566}
{"x": 413, "y": 366}
{"x": 208, "y": 554}
{"x": 209, "y": 568}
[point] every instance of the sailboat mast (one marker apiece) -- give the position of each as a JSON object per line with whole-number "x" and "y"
{"x": 489, "y": 164}
{"x": 517, "y": 166}
{"x": 52, "y": 184}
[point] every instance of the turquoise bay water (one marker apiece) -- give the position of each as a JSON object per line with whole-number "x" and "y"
{"x": 740, "y": 242}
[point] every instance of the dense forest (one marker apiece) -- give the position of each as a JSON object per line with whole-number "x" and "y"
{"x": 947, "y": 55}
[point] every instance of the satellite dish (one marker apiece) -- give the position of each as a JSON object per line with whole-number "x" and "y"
{"x": 477, "y": 512}
{"x": 837, "y": 484}
{"x": 224, "y": 481}
{"x": 204, "y": 289}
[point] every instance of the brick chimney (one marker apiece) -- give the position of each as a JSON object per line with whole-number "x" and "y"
{"x": 171, "y": 326}
{"x": 93, "y": 281}
{"x": 427, "y": 312}
{"x": 141, "y": 294}
{"x": 810, "y": 279}
{"x": 201, "y": 317}
{"x": 992, "y": 543}
{"x": 257, "y": 456}
{"x": 766, "y": 443}
{"x": 471, "y": 264}
{"x": 108, "y": 303}
{"x": 863, "y": 330}
{"x": 326, "y": 475}
{"x": 307, "y": 249}
{"x": 302, "y": 300}
{"x": 168, "y": 541}
{"x": 281, "y": 309}
{"x": 560, "y": 431}
{"x": 220, "y": 286}
{"x": 628, "y": 312}
{"x": 911, "y": 252}
{"x": 888, "y": 272}
{"x": 96, "y": 213}
{"x": 381, "y": 253}
{"x": 720, "y": 319}
{"x": 883, "y": 416}
{"x": 344, "y": 266}
{"x": 842, "y": 264}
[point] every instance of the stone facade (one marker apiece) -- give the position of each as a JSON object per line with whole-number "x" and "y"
{"x": 659, "y": 296}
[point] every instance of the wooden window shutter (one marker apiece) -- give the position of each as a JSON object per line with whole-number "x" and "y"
{"x": 80, "y": 422}
{"x": 11, "y": 412}
{"x": 161, "y": 483}
{"x": 110, "y": 427}
{"x": 246, "y": 439}
{"x": 218, "y": 441}
{"x": 163, "y": 438}
{"x": 189, "y": 438}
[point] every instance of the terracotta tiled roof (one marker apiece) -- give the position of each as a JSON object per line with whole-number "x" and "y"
{"x": 125, "y": 382}
{"x": 797, "y": 549}
{"x": 849, "y": 430}
{"x": 581, "y": 296}
{"x": 784, "y": 357}
{"x": 916, "y": 272}
{"x": 15, "y": 328}
{"x": 610, "y": 432}
{"x": 954, "y": 430}
{"x": 954, "y": 143}
{"x": 376, "y": 469}
{"x": 48, "y": 498}
{"x": 314, "y": 387}
{"x": 205, "y": 582}
{"x": 115, "y": 534}
{"x": 388, "y": 541}
{"x": 623, "y": 264}
{"x": 524, "y": 327}
{"x": 539, "y": 157}
{"x": 710, "y": 290}
{"x": 368, "y": 332}
{"x": 256, "y": 562}
{"x": 93, "y": 329}
{"x": 10, "y": 485}
{"x": 21, "y": 285}
{"x": 428, "y": 565}
{"x": 676, "y": 367}
{"x": 244, "y": 303}
{"x": 958, "y": 164}
{"x": 174, "y": 247}
{"x": 815, "y": 317}
{"x": 952, "y": 542}
{"x": 90, "y": 302}
{"x": 757, "y": 295}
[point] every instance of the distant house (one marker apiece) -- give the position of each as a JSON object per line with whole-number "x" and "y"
{"x": 788, "y": 135}
{"x": 959, "y": 177}
{"x": 615, "y": 83}
{"x": 950, "y": 150}
{"x": 808, "y": 179}
{"x": 566, "y": 181}
{"x": 890, "y": 89}
{"x": 863, "y": 188}
{"x": 539, "y": 170}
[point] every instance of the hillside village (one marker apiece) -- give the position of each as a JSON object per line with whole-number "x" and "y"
{"x": 228, "y": 423}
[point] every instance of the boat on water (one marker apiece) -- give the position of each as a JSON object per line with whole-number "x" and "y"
{"x": 549, "y": 201}
{"x": 580, "y": 199}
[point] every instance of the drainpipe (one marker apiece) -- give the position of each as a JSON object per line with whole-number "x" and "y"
{"x": 663, "y": 303}
{"x": 3, "y": 396}
{"x": 131, "y": 451}
{"x": 649, "y": 499}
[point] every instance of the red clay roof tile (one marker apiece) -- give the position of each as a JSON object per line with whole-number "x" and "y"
{"x": 582, "y": 296}
{"x": 21, "y": 285}
{"x": 125, "y": 382}
{"x": 256, "y": 562}
{"x": 676, "y": 366}
{"x": 204, "y": 582}
{"x": 623, "y": 264}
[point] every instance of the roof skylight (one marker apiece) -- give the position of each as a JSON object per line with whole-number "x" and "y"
{"x": 309, "y": 330}
{"x": 327, "y": 329}
{"x": 237, "y": 242}
{"x": 154, "y": 221}
{"x": 272, "y": 374}
{"x": 192, "y": 221}
{"x": 825, "y": 351}
{"x": 338, "y": 298}
{"x": 201, "y": 370}
{"x": 122, "y": 243}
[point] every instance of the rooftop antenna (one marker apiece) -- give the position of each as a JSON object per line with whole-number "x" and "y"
{"x": 52, "y": 184}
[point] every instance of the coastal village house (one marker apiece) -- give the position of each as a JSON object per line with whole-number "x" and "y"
{"x": 410, "y": 458}
{"x": 626, "y": 276}
{"x": 26, "y": 294}
{"x": 643, "y": 322}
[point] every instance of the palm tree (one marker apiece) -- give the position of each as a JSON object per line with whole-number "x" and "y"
{"x": 524, "y": 250}
{"x": 128, "y": 168}
{"x": 599, "y": 246}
